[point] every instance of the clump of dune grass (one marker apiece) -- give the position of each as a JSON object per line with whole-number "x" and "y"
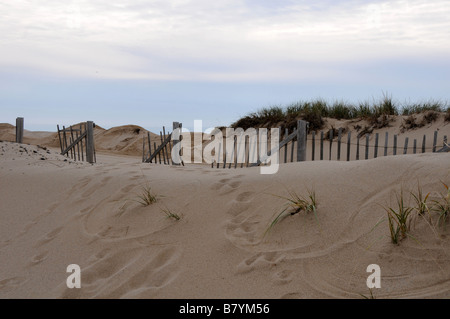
{"x": 146, "y": 197}
{"x": 399, "y": 219}
{"x": 442, "y": 206}
{"x": 295, "y": 204}
{"x": 421, "y": 201}
{"x": 170, "y": 215}
{"x": 377, "y": 113}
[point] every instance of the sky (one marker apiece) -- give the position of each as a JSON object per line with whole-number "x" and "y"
{"x": 150, "y": 63}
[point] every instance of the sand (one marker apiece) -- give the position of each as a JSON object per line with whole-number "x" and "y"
{"x": 56, "y": 212}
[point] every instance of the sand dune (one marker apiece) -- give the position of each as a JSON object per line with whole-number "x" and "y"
{"x": 57, "y": 212}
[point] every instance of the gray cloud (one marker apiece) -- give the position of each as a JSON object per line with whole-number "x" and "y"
{"x": 217, "y": 40}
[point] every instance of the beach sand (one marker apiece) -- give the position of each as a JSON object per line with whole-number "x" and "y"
{"x": 56, "y": 212}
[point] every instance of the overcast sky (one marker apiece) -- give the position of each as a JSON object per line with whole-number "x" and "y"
{"x": 153, "y": 62}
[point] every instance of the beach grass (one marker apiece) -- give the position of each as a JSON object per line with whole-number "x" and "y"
{"x": 146, "y": 197}
{"x": 399, "y": 219}
{"x": 315, "y": 110}
{"x": 442, "y": 206}
{"x": 295, "y": 204}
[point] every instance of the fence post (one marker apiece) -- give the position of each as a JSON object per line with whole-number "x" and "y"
{"x": 330, "y": 135}
{"x": 176, "y": 143}
{"x": 386, "y": 141}
{"x": 423, "y": 143}
{"x": 405, "y": 150}
{"x": 375, "y": 151}
{"x": 19, "y": 130}
{"x": 435, "y": 141}
{"x": 90, "y": 142}
{"x": 415, "y": 146}
{"x": 286, "y": 133}
{"x": 321, "y": 145}
{"x": 313, "y": 151}
{"x": 349, "y": 138}
{"x": 367, "y": 145}
{"x": 339, "y": 144}
{"x": 301, "y": 141}
{"x": 357, "y": 147}
{"x": 395, "y": 145}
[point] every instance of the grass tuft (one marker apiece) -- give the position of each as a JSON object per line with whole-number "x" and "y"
{"x": 146, "y": 197}
{"x": 171, "y": 215}
{"x": 399, "y": 220}
{"x": 295, "y": 205}
{"x": 442, "y": 206}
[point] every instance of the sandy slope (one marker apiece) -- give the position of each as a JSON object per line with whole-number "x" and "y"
{"x": 55, "y": 213}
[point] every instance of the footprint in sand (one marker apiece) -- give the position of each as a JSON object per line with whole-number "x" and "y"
{"x": 282, "y": 277}
{"x": 128, "y": 273}
{"x": 11, "y": 283}
{"x": 226, "y": 186}
{"x": 37, "y": 259}
{"x": 242, "y": 229}
{"x": 261, "y": 260}
{"x": 243, "y": 232}
{"x": 106, "y": 179}
{"x": 48, "y": 237}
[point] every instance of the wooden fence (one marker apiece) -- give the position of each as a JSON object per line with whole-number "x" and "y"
{"x": 298, "y": 137}
{"x": 164, "y": 149}
{"x": 345, "y": 146}
{"x": 75, "y": 141}
{"x": 334, "y": 145}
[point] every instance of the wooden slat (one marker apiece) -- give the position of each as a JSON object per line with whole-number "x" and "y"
{"x": 159, "y": 148}
{"x": 423, "y": 143}
{"x": 74, "y": 143}
{"x": 405, "y": 149}
{"x": 395, "y": 144}
{"x": 386, "y": 141}
{"x": 349, "y": 138}
{"x": 313, "y": 151}
{"x": 375, "y": 150}
{"x": 330, "y": 135}
{"x": 435, "y": 141}
{"x": 339, "y": 144}
{"x": 367, "y": 146}
{"x": 321, "y": 145}
{"x": 357, "y": 147}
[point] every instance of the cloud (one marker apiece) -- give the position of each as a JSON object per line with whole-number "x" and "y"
{"x": 223, "y": 40}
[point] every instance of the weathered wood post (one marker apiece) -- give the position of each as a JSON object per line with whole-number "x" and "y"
{"x": 339, "y": 144}
{"x": 435, "y": 141}
{"x": 149, "y": 145}
{"x": 375, "y": 151}
{"x": 321, "y": 145}
{"x": 90, "y": 147}
{"x": 301, "y": 140}
{"x": 395, "y": 145}
{"x": 176, "y": 143}
{"x": 357, "y": 147}
{"x": 386, "y": 141}
{"x": 367, "y": 145}
{"x": 423, "y": 143}
{"x": 313, "y": 151}
{"x": 19, "y": 130}
{"x": 405, "y": 149}
{"x": 349, "y": 138}
{"x": 330, "y": 135}
{"x": 286, "y": 133}
{"x": 415, "y": 146}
